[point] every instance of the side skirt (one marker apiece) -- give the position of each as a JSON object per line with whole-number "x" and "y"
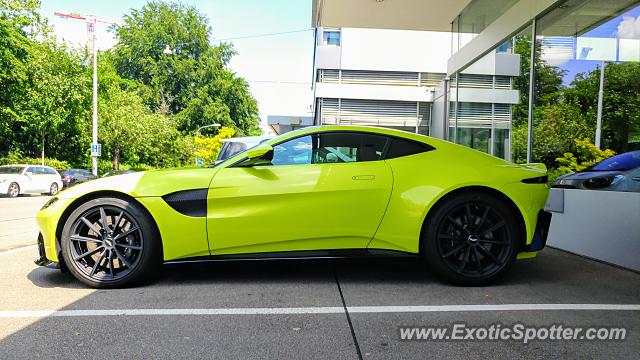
{"x": 300, "y": 255}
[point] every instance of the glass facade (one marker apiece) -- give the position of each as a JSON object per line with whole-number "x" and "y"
{"x": 561, "y": 56}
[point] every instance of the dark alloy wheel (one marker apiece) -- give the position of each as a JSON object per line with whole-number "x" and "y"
{"x": 472, "y": 239}
{"x": 109, "y": 242}
{"x": 53, "y": 190}
{"x": 14, "y": 190}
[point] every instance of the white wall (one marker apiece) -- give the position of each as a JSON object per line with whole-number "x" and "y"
{"x": 373, "y": 92}
{"x": 598, "y": 224}
{"x": 395, "y": 50}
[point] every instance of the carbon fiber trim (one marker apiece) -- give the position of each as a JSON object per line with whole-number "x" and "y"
{"x": 188, "y": 202}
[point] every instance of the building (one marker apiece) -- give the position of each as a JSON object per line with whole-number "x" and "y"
{"x": 462, "y": 107}
{"x": 394, "y": 78}
{"x": 280, "y": 124}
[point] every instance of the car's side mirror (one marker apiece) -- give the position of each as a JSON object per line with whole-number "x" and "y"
{"x": 259, "y": 151}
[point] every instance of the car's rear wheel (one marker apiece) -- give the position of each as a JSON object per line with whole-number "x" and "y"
{"x": 53, "y": 190}
{"x": 14, "y": 190}
{"x": 471, "y": 239}
{"x": 110, "y": 242}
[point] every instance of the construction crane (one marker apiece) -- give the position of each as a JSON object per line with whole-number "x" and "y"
{"x": 91, "y": 21}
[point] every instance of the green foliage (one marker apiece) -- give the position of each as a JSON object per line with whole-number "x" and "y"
{"x": 208, "y": 148}
{"x": 548, "y": 80}
{"x": 587, "y": 155}
{"x": 554, "y": 132}
{"x": 44, "y": 100}
{"x": 192, "y": 82}
{"x": 621, "y": 102}
{"x": 18, "y": 158}
{"x": 149, "y": 103}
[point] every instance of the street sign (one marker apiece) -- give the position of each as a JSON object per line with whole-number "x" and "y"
{"x": 199, "y": 161}
{"x": 96, "y": 150}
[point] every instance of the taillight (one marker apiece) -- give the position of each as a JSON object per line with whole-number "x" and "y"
{"x": 67, "y": 178}
{"x": 536, "y": 180}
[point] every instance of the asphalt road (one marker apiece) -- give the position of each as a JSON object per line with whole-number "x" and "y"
{"x": 17, "y": 223}
{"x": 346, "y": 309}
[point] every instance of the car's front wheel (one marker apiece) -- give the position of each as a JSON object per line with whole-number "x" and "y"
{"x": 471, "y": 239}
{"x": 110, "y": 242}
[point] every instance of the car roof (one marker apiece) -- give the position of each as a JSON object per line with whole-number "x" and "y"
{"x": 358, "y": 128}
{"x": 27, "y": 165}
{"x": 248, "y": 139}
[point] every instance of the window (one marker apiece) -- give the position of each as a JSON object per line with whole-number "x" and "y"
{"x": 348, "y": 147}
{"x": 403, "y": 147}
{"x": 49, "y": 171}
{"x": 32, "y": 170}
{"x": 339, "y": 147}
{"x": 342, "y": 147}
{"x": 293, "y": 152}
{"x": 331, "y": 37}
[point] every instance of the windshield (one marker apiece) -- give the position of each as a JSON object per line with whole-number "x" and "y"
{"x": 622, "y": 162}
{"x": 11, "y": 169}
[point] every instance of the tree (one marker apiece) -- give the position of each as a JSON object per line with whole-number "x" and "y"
{"x": 554, "y": 132}
{"x": 193, "y": 81}
{"x": 43, "y": 99}
{"x": 548, "y": 80}
{"x": 621, "y": 103}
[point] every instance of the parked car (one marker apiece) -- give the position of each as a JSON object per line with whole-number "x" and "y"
{"x": 22, "y": 179}
{"x": 617, "y": 173}
{"x": 72, "y": 177}
{"x": 117, "y": 172}
{"x": 328, "y": 191}
{"x": 233, "y": 146}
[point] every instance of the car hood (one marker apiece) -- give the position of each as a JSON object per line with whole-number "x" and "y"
{"x": 587, "y": 175}
{"x": 148, "y": 183}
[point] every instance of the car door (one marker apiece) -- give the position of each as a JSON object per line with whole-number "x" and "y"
{"x": 33, "y": 180}
{"x": 321, "y": 191}
{"x": 43, "y": 179}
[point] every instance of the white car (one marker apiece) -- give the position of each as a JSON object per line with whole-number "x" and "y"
{"x": 22, "y": 179}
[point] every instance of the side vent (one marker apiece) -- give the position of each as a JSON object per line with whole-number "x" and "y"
{"x": 188, "y": 202}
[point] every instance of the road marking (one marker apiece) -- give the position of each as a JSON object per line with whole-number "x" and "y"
{"x": 318, "y": 310}
{"x": 18, "y": 249}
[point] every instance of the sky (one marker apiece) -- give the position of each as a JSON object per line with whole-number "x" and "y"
{"x": 278, "y": 67}
{"x": 624, "y": 26}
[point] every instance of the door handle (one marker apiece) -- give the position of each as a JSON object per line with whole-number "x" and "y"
{"x": 364, "y": 177}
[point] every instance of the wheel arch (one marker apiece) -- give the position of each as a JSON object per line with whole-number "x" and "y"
{"x": 476, "y": 189}
{"x": 95, "y": 195}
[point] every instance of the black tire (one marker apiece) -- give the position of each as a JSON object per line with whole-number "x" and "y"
{"x": 13, "y": 190}
{"x": 53, "y": 189}
{"x": 131, "y": 242}
{"x": 471, "y": 239}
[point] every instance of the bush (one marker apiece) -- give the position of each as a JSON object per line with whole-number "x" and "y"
{"x": 587, "y": 155}
{"x": 18, "y": 158}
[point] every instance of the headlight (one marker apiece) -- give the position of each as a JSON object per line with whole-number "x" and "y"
{"x": 603, "y": 181}
{"x": 49, "y": 203}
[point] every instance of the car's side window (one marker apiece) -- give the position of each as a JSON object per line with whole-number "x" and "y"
{"x": 293, "y": 152}
{"x": 404, "y": 147}
{"x": 32, "y": 170}
{"x": 342, "y": 147}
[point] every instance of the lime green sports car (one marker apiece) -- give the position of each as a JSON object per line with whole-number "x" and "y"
{"x": 330, "y": 191}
